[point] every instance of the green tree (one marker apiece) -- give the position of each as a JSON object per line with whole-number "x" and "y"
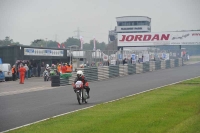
{"x": 39, "y": 43}
{"x": 8, "y": 42}
{"x": 71, "y": 42}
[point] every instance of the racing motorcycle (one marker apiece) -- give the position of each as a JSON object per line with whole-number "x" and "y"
{"x": 80, "y": 92}
{"x": 46, "y": 76}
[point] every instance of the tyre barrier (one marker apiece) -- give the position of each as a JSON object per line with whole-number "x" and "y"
{"x": 55, "y": 81}
{"x": 103, "y": 72}
{"x": 106, "y": 72}
{"x": 167, "y": 64}
{"x": 176, "y": 61}
{"x": 157, "y": 65}
{"x": 131, "y": 69}
{"x": 146, "y": 67}
{"x": 64, "y": 81}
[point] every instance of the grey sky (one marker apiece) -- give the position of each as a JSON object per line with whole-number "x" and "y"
{"x": 27, "y": 20}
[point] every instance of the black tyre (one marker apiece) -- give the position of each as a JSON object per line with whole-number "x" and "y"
{"x": 78, "y": 98}
{"x": 86, "y": 101}
{"x": 55, "y": 84}
{"x": 55, "y": 80}
{"x": 45, "y": 78}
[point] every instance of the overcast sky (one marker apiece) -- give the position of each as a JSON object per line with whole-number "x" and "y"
{"x": 27, "y": 20}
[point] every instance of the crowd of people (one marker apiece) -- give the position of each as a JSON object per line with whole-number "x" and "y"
{"x": 25, "y": 69}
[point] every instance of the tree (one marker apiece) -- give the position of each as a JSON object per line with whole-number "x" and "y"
{"x": 8, "y": 42}
{"x": 38, "y": 43}
{"x": 72, "y": 41}
{"x": 43, "y": 43}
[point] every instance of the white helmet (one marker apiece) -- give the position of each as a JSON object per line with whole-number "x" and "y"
{"x": 79, "y": 73}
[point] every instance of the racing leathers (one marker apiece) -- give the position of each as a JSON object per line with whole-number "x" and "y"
{"x": 85, "y": 83}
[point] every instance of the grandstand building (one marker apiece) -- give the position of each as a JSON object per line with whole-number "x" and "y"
{"x": 130, "y": 24}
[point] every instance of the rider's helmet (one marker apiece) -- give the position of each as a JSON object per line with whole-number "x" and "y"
{"x": 79, "y": 73}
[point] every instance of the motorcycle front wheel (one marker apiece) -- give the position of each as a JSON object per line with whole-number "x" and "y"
{"x": 78, "y": 97}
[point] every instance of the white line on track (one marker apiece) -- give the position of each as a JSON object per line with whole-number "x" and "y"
{"x": 96, "y": 105}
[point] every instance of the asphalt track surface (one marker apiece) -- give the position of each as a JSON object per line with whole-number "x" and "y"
{"x": 24, "y": 108}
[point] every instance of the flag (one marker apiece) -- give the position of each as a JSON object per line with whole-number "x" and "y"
{"x": 63, "y": 45}
{"x": 58, "y": 45}
{"x": 94, "y": 44}
{"x": 81, "y": 40}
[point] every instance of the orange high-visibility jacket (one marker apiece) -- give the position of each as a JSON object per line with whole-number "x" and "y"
{"x": 59, "y": 68}
{"x": 69, "y": 70}
{"x": 64, "y": 69}
{"x": 13, "y": 70}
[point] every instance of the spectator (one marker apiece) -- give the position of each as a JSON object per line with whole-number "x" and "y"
{"x": 34, "y": 69}
{"x": 142, "y": 58}
{"x": 26, "y": 74}
{"x": 124, "y": 61}
{"x": 13, "y": 73}
{"x": 22, "y": 71}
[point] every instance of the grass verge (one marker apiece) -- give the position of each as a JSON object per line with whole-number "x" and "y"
{"x": 171, "y": 109}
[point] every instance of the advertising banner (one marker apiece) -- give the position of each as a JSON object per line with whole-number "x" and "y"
{"x": 42, "y": 52}
{"x": 120, "y": 56}
{"x": 105, "y": 57}
{"x": 113, "y": 62}
{"x": 161, "y": 38}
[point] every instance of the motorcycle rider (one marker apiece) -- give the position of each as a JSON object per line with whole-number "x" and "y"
{"x": 81, "y": 77}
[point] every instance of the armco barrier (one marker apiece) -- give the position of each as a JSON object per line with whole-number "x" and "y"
{"x": 105, "y": 72}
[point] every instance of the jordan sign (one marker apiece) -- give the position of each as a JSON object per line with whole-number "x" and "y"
{"x": 155, "y": 39}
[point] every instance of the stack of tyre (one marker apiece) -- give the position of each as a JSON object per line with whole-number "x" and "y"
{"x": 55, "y": 81}
{"x": 64, "y": 81}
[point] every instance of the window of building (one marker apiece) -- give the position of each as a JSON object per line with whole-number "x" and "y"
{"x": 119, "y": 23}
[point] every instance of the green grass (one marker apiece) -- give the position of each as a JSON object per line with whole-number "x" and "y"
{"x": 171, "y": 109}
{"x": 194, "y": 58}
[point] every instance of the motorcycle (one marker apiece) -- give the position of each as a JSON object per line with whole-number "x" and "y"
{"x": 80, "y": 92}
{"x": 46, "y": 76}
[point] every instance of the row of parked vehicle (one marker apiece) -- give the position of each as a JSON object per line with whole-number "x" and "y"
{"x": 5, "y": 72}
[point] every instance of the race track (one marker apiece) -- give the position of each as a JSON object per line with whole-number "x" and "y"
{"x": 20, "y": 109}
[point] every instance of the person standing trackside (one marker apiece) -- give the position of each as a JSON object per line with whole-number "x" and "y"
{"x": 22, "y": 72}
{"x": 13, "y": 73}
{"x": 26, "y": 67}
{"x": 59, "y": 68}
